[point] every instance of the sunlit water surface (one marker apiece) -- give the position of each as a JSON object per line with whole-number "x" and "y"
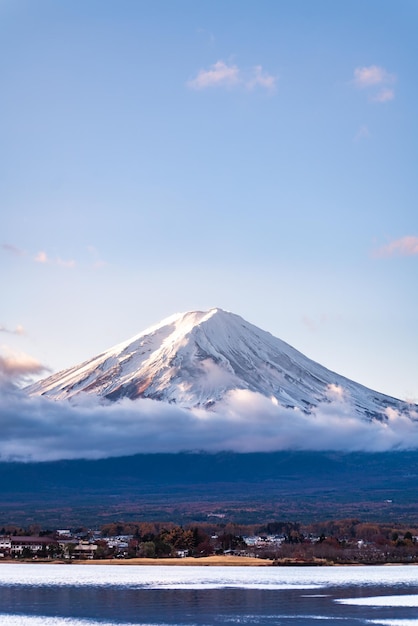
{"x": 95, "y": 595}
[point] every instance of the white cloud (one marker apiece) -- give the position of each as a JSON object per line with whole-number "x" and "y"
{"x": 260, "y": 78}
{"x": 335, "y": 392}
{"x": 405, "y": 246}
{"x": 385, "y": 95}
{"x": 362, "y": 133}
{"x": 220, "y": 74}
{"x": 13, "y": 249}
{"x": 15, "y": 366}
{"x": 41, "y": 257}
{"x": 40, "y": 429}
{"x": 19, "y": 330}
{"x": 372, "y": 77}
{"x": 69, "y": 263}
{"x": 97, "y": 260}
{"x": 314, "y": 324}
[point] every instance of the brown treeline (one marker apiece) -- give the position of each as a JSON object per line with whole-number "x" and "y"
{"x": 337, "y": 541}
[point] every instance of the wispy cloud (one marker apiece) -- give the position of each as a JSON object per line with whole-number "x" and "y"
{"x": 261, "y": 78}
{"x": 208, "y": 35}
{"x": 19, "y": 330}
{"x": 35, "y": 428}
{"x": 13, "y": 249}
{"x": 41, "y": 257}
{"x": 314, "y": 324}
{"x": 70, "y": 263}
{"x": 220, "y": 74}
{"x": 385, "y": 95}
{"x": 362, "y": 133}
{"x": 17, "y": 366}
{"x": 405, "y": 246}
{"x": 97, "y": 260}
{"x": 372, "y": 77}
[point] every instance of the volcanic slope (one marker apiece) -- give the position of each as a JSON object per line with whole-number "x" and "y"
{"x": 194, "y": 359}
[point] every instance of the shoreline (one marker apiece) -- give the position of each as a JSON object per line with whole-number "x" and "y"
{"x": 188, "y": 561}
{"x": 206, "y": 561}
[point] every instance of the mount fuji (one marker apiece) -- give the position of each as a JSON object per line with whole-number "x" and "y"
{"x": 195, "y": 359}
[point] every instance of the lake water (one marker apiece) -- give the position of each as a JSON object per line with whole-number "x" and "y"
{"x": 95, "y": 595}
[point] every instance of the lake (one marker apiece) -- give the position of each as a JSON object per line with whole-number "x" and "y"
{"x": 95, "y": 595}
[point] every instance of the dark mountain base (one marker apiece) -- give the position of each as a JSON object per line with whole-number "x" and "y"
{"x": 187, "y": 487}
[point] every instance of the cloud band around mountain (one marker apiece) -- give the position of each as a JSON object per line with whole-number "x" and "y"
{"x": 38, "y": 429}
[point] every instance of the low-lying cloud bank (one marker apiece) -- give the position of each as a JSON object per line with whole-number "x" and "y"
{"x": 38, "y": 429}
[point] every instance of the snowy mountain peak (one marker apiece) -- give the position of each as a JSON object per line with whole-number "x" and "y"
{"x": 195, "y": 359}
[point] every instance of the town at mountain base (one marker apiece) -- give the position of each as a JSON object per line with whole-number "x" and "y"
{"x": 336, "y": 542}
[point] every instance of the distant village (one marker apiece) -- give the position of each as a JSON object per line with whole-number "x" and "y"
{"x": 336, "y": 542}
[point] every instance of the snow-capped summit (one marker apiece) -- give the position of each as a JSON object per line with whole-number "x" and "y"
{"x": 194, "y": 359}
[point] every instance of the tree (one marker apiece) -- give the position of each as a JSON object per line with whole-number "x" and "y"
{"x": 147, "y": 549}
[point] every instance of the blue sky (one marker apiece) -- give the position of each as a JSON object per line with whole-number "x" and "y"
{"x": 163, "y": 156}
